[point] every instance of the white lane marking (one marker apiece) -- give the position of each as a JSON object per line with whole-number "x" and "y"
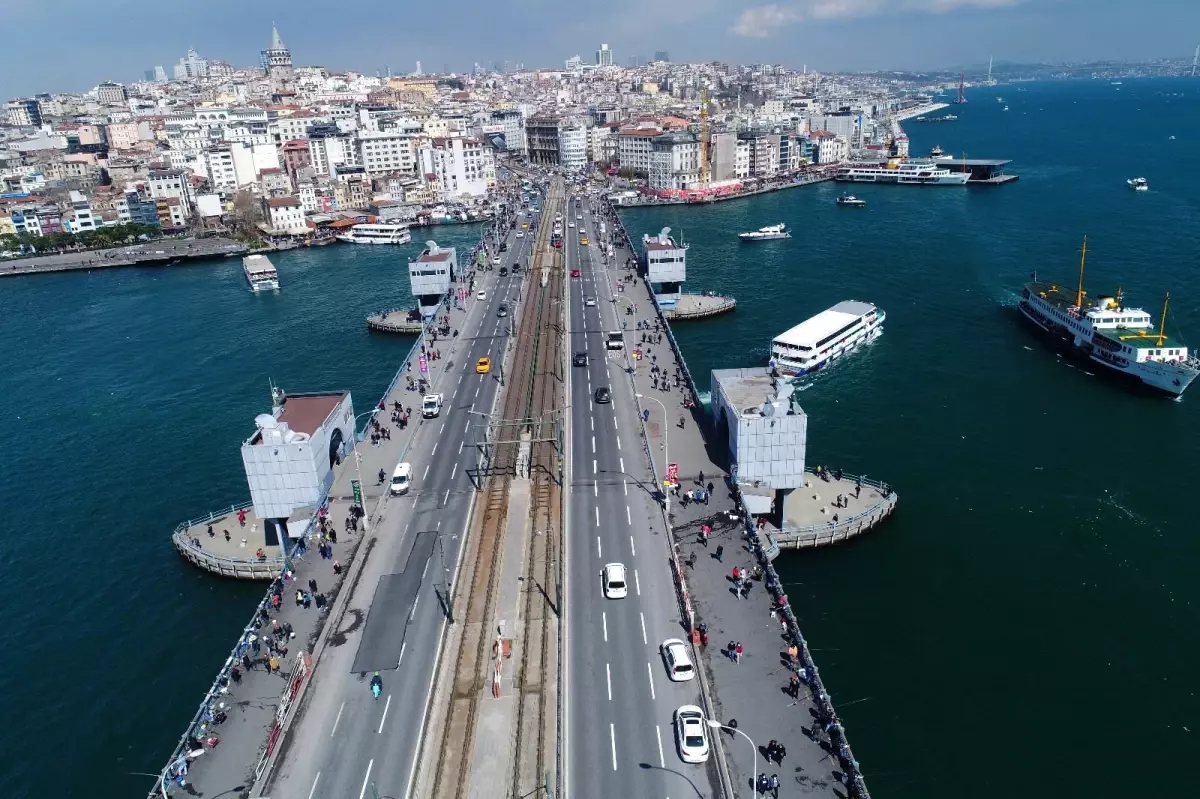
{"x": 637, "y": 583}
{"x": 612, "y": 736}
{"x": 367, "y": 778}
{"x": 622, "y": 465}
{"x": 661, "y": 760}
{"x": 455, "y": 394}
{"x": 618, "y": 442}
{"x": 467, "y": 427}
{"x": 597, "y": 516}
{"x": 625, "y": 485}
{"x": 460, "y": 377}
{"x": 615, "y": 424}
{"x": 339, "y": 718}
{"x": 629, "y": 518}
{"x": 454, "y": 471}
{"x": 593, "y": 445}
{"x": 313, "y": 790}
{"x": 643, "y": 615}
{"x": 417, "y": 601}
{"x": 608, "y": 677}
{"x": 604, "y": 621}
{"x": 460, "y": 446}
{"x": 593, "y": 465}
{"x": 443, "y": 427}
{"x": 596, "y": 489}
{"x": 446, "y": 498}
{"x": 650, "y": 674}
{"x": 593, "y": 420}
{"x": 477, "y": 390}
{"x": 434, "y": 449}
{"x": 598, "y": 555}
{"x": 384, "y": 719}
{"x": 426, "y": 472}
{"x": 424, "y": 570}
{"x": 403, "y": 644}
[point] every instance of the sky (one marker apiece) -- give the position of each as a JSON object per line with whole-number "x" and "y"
{"x": 122, "y": 38}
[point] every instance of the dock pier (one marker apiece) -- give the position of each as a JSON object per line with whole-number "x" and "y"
{"x": 820, "y": 760}
{"x": 395, "y": 320}
{"x": 161, "y": 252}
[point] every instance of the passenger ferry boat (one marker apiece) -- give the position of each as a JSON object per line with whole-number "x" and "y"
{"x": 376, "y": 234}
{"x": 767, "y": 233}
{"x": 1123, "y": 340}
{"x": 260, "y": 273}
{"x": 904, "y": 173}
{"x": 829, "y": 335}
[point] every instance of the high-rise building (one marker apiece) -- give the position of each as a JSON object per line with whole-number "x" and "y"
{"x": 148, "y": 75}
{"x": 604, "y": 56}
{"x": 191, "y": 66}
{"x": 573, "y": 63}
{"x": 662, "y": 55}
{"x": 278, "y": 61}
{"x": 111, "y": 93}
{"x": 160, "y": 74}
{"x": 25, "y": 112}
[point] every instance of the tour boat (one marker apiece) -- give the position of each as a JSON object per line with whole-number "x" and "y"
{"x": 904, "y": 173}
{"x": 812, "y": 344}
{"x": 376, "y": 234}
{"x": 851, "y": 200}
{"x": 260, "y": 273}
{"x": 779, "y": 231}
{"x": 1105, "y": 332}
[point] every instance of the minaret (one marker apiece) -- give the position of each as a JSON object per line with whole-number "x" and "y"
{"x": 278, "y": 60}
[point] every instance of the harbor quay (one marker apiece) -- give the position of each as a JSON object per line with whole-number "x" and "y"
{"x": 772, "y": 690}
{"x": 261, "y": 683}
{"x": 809, "y": 176}
{"x": 151, "y": 253}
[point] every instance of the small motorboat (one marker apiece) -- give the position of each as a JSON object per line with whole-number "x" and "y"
{"x": 851, "y": 200}
{"x": 767, "y": 233}
{"x": 1138, "y": 184}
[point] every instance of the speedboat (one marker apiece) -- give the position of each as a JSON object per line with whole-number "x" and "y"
{"x": 1138, "y": 184}
{"x": 767, "y": 233}
{"x": 851, "y": 200}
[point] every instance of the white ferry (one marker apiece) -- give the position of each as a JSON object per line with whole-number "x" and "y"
{"x": 260, "y": 273}
{"x": 376, "y": 234}
{"x": 904, "y": 173}
{"x": 767, "y": 233}
{"x": 815, "y": 342}
{"x": 1123, "y": 340}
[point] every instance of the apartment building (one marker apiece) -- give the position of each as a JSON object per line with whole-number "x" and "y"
{"x": 633, "y": 149}
{"x": 24, "y": 112}
{"x": 172, "y": 184}
{"x": 460, "y": 167}
{"x": 573, "y": 147}
{"x": 80, "y": 217}
{"x": 674, "y": 161}
{"x": 386, "y": 152}
{"x": 284, "y": 215}
{"x": 541, "y": 140}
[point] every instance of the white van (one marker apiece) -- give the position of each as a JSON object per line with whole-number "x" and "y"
{"x": 614, "y": 340}
{"x": 401, "y": 479}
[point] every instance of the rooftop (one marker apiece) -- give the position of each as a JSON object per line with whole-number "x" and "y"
{"x": 305, "y": 413}
{"x": 750, "y": 389}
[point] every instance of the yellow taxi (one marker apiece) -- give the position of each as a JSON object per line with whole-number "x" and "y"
{"x": 483, "y": 366}
{"x": 524, "y": 226}
{"x": 583, "y": 241}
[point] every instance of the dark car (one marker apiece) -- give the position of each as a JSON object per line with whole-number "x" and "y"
{"x": 504, "y": 271}
{"x": 502, "y": 311}
{"x": 580, "y": 359}
{"x": 603, "y": 395}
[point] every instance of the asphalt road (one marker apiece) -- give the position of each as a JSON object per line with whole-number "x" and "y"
{"x": 620, "y": 702}
{"x": 344, "y": 744}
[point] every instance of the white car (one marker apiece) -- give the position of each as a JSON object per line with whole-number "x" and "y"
{"x": 691, "y": 734}
{"x": 401, "y": 478}
{"x": 481, "y": 295}
{"x": 678, "y": 663}
{"x": 613, "y": 578}
{"x": 590, "y": 302}
{"x": 570, "y": 224}
{"x": 579, "y": 217}
{"x": 520, "y": 234}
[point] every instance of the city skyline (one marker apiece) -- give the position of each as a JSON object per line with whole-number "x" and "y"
{"x": 827, "y": 35}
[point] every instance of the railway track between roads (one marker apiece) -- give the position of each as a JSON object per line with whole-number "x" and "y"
{"x": 527, "y": 392}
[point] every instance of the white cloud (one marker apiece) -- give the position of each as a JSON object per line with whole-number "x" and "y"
{"x": 762, "y": 21}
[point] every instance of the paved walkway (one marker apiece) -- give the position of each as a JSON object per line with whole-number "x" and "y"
{"x": 253, "y": 700}
{"x": 754, "y": 691}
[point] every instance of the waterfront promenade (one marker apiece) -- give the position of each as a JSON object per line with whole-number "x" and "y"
{"x": 756, "y": 690}
{"x": 815, "y": 174}
{"x": 157, "y": 252}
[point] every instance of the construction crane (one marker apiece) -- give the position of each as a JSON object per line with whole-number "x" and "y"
{"x": 704, "y": 171}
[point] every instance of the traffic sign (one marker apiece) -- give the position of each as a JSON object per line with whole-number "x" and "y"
{"x": 356, "y": 487}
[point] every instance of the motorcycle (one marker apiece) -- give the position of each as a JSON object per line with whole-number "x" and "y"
{"x": 376, "y": 685}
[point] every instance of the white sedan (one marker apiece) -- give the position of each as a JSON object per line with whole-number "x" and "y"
{"x": 481, "y": 295}
{"x": 613, "y": 578}
{"x": 570, "y": 224}
{"x": 520, "y": 234}
{"x": 691, "y": 734}
{"x": 590, "y": 302}
{"x": 678, "y": 662}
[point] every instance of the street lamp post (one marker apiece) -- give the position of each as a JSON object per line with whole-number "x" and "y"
{"x": 358, "y": 467}
{"x": 666, "y": 452}
{"x": 718, "y": 725}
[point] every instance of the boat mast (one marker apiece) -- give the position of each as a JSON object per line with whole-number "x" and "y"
{"x": 1082, "y": 261}
{"x": 1162, "y": 325}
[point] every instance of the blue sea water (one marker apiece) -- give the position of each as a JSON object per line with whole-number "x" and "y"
{"x": 1025, "y": 618}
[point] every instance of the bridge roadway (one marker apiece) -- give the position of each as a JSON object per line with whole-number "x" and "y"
{"x": 344, "y": 744}
{"x": 619, "y": 701}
